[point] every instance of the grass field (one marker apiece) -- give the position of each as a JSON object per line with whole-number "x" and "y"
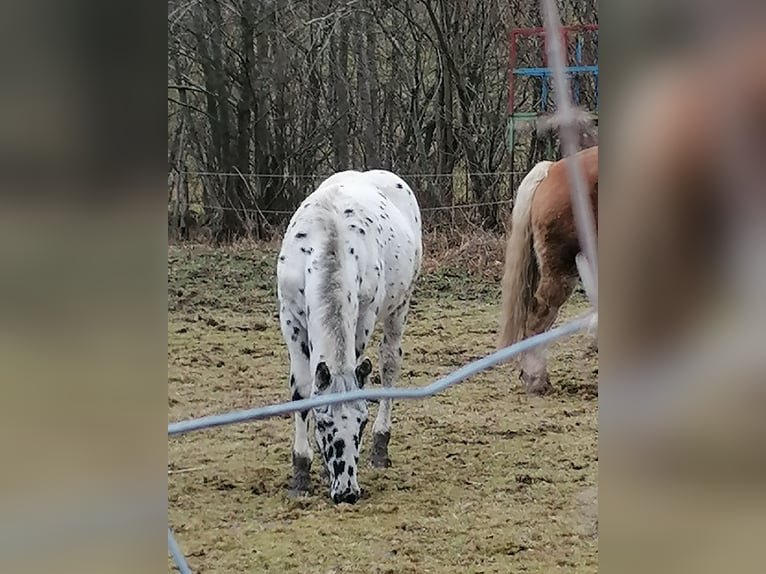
{"x": 484, "y": 478}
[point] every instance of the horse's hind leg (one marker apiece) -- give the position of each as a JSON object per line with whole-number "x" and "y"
{"x": 390, "y": 364}
{"x": 552, "y": 292}
{"x": 300, "y": 388}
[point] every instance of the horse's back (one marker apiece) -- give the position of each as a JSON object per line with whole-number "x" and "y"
{"x": 396, "y": 190}
{"x": 372, "y": 218}
{"x": 338, "y": 178}
{"x": 400, "y": 195}
{"x": 552, "y": 214}
{"x": 553, "y": 196}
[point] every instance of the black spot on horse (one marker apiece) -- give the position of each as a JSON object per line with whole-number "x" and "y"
{"x": 308, "y": 251}
{"x": 351, "y": 250}
{"x": 300, "y": 235}
{"x": 296, "y": 330}
{"x": 301, "y": 291}
{"x": 361, "y": 231}
{"x": 351, "y": 471}
{"x": 281, "y": 257}
{"x": 308, "y": 269}
{"x": 340, "y": 446}
{"x": 305, "y": 350}
{"x": 292, "y": 381}
{"x": 338, "y": 467}
{"x": 400, "y": 351}
{"x": 399, "y": 186}
{"x": 348, "y": 211}
{"x": 296, "y": 395}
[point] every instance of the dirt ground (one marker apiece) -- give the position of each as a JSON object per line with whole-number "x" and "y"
{"x": 484, "y": 478}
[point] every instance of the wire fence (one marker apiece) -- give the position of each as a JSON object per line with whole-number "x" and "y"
{"x": 320, "y": 177}
{"x": 290, "y": 211}
{"x": 566, "y": 119}
{"x": 271, "y": 198}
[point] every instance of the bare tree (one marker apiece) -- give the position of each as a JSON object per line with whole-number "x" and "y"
{"x": 267, "y": 97}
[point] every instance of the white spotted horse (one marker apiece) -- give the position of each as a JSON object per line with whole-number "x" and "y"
{"x": 350, "y": 257}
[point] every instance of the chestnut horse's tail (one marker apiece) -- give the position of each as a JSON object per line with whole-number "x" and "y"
{"x": 521, "y": 270}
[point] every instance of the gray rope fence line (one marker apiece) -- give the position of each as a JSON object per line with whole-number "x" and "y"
{"x": 586, "y": 322}
{"x": 178, "y": 556}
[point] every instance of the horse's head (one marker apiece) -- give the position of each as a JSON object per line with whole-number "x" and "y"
{"x": 339, "y": 429}
{"x": 584, "y": 123}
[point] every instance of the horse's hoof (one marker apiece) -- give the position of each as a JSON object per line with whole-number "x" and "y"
{"x": 540, "y": 388}
{"x": 298, "y": 493}
{"x": 379, "y": 456}
{"x": 380, "y": 462}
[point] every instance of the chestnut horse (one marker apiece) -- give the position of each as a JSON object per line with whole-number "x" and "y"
{"x": 542, "y": 258}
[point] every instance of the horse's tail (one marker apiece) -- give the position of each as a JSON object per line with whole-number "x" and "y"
{"x": 521, "y": 270}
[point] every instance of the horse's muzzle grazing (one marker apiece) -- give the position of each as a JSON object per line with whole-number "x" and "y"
{"x": 349, "y": 497}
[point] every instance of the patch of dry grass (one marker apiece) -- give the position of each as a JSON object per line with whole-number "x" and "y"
{"x": 484, "y": 478}
{"x": 479, "y": 253}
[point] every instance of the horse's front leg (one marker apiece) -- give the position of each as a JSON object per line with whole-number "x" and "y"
{"x": 390, "y": 364}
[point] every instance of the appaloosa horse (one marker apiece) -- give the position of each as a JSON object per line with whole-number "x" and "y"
{"x": 350, "y": 257}
{"x": 542, "y": 258}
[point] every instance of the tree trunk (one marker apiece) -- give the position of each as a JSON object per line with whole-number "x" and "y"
{"x": 339, "y": 50}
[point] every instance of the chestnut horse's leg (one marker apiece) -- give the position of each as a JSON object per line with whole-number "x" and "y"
{"x": 553, "y": 289}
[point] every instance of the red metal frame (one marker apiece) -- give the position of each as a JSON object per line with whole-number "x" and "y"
{"x": 564, "y": 30}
